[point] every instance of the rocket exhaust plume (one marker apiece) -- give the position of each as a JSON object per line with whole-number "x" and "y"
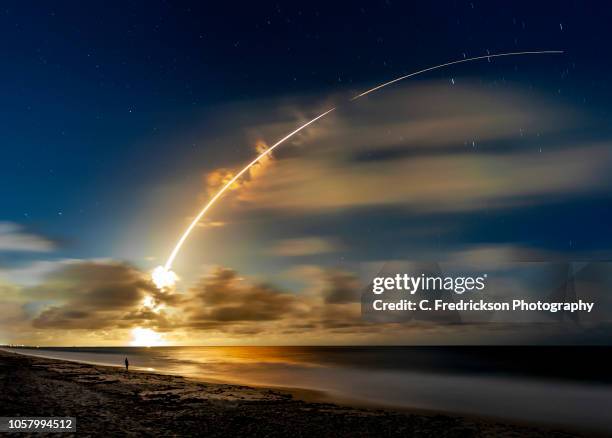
{"x": 164, "y": 277}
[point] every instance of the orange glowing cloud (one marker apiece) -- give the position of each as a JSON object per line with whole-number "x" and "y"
{"x": 219, "y": 177}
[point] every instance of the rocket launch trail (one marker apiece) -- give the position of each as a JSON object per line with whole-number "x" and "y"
{"x": 163, "y": 275}
{"x": 459, "y": 61}
{"x": 232, "y": 181}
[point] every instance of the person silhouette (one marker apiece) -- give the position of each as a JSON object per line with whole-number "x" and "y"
{"x": 127, "y": 364}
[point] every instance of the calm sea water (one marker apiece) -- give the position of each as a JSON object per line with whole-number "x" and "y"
{"x": 569, "y": 386}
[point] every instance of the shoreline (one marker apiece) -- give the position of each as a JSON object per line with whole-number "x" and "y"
{"x": 311, "y": 395}
{"x": 140, "y": 402}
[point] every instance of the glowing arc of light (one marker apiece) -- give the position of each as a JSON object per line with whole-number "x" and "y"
{"x": 227, "y": 185}
{"x": 210, "y": 203}
{"x": 459, "y": 61}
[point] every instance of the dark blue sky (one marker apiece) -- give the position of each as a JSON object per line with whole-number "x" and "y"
{"x": 95, "y": 96}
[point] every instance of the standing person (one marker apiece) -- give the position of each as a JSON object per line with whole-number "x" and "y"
{"x": 127, "y": 364}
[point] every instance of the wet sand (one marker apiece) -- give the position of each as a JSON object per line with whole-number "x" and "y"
{"x": 112, "y": 402}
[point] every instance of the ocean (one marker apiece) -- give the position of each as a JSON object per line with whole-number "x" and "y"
{"x": 568, "y": 386}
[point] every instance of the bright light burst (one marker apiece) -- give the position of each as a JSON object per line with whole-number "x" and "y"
{"x": 145, "y": 337}
{"x": 149, "y": 303}
{"x": 163, "y": 278}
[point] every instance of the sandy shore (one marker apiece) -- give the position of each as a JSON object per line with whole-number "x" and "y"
{"x": 108, "y": 401}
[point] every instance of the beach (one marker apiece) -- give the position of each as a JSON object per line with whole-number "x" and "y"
{"x": 110, "y": 401}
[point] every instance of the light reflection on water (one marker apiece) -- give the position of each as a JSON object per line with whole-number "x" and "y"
{"x": 438, "y": 379}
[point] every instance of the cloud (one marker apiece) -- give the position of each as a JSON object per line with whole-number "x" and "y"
{"x": 435, "y": 148}
{"x": 494, "y": 255}
{"x": 227, "y": 303}
{"x": 305, "y": 246}
{"x": 424, "y": 149}
{"x": 32, "y": 273}
{"x": 13, "y": 238}
{"x": 93, "y": 295}
{"x": 225, "y": 298}
{"x": 219, "y": 177}
{"x": 101, "y": 301}
{"x": 341, "y": 288}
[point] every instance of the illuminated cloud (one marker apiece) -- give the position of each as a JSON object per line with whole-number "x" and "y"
{"x": 13, "y": 238}
{"x": 98, "y": 302}
{"x": 435, "y": 148}
{"x": 224, "y": 302}
{"x": 431, "y": 150}
{"x": 305, "y": 246}
{"x": 225, "y": 298}
{"x": 217, "y": 178}
{"x": 93, "y": 295}
{"x": 31, "y": 274}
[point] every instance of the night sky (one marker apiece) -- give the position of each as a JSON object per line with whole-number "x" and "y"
{"x": 116, "y": 114}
